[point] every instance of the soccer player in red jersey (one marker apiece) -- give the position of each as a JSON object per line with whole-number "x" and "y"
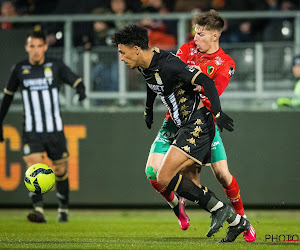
{"x": 205, "y": 54}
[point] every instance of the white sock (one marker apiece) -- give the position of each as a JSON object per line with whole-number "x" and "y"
{"x": 63, "y": 210}
{"x": 217, "y": 206}
{"x": 174, "y": 202}
{"x": 236, "y": 221}
{"x": 39, "y": 209}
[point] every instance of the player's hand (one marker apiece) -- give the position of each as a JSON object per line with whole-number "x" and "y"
{"x": 198, "y": 88}
{"x": 224, "y": 121}
{"x": 1, "y": 133}
{"x": 81, "y": 94}
{"x": 148, "y": 115}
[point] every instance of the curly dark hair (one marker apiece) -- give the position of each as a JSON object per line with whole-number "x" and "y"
{"x": 132, "y": 35}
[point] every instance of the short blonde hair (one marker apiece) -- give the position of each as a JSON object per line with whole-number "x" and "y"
{"x": 211, "y": 20}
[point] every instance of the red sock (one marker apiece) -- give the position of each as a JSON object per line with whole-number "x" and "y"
{"x": 166, "y": 193}
{"x": 233, "y": 194}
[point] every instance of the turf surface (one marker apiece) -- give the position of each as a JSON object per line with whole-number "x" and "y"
{"x": 140, "y": 229}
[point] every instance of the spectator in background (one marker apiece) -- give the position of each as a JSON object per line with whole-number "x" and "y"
{"x": 295, "y": 101}
{"x": 8, "y": 9}
{"x": 40, "y": 7}
{"x": 162, "y": 33}
{"x": 83, "y": 29}
{"x": 239, "y": 30}
{"x": 278, "y": 29}
{"x": 240, "y": 34}
{"x": 119, "y": 7}
{"x": 105, "y": 73}
{"x": 102, "y": 30}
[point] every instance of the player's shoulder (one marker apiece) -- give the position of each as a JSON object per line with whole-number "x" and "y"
{"x": 163, "y": 56}
{"x": 186, "y": 47}
{"x": 224, "y": 56}
{"x": 52, "y": 61}
{"x": 21, "y": 65}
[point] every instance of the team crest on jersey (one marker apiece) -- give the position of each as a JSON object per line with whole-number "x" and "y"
{"x": 25, "y": 72}
{"x": 210, "y": 70}
{"x": 48, "y": 72}
{"x": 218, "y": 60}
{"x": 158, "y": 79}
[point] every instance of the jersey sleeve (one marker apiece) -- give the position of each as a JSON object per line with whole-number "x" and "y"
{"x": 179, "y": 70}
{"x": 150, "y": 98}
{"x": 182, "y": 53}
{"x": 67, "y": 75}
{"x": 224, "y": 75}
{"x": 13, "y": 82}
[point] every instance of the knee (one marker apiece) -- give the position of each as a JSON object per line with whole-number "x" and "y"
{"x": 59, "y": 169}
{"x": 162, "y": 180}
{"x": 151, "y": 173}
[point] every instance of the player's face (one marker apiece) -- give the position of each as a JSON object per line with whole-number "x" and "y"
{"x": 129, "y": 55}
{"x": 206, "y": 40}
{"x": 36, "y": 49}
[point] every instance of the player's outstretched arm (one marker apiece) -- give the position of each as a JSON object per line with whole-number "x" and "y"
{"x": 7, "y": 100}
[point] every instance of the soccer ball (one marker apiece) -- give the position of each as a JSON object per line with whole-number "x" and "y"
{"x": 39, "y": 178}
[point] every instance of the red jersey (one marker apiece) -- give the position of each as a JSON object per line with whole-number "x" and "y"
{"x": 218, "y": 66}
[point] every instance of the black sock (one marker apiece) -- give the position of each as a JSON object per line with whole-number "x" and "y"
{"x": 37, "y": 200}
{"x": 208, "y": 191}
{"x": 187, "y": 189}
{"x": 62, "y": 193}
{"x": 176, "y": 208}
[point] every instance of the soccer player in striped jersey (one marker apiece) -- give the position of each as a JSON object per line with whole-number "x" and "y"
{"x": 205, "y": 54}
{"x": 174, "y": 82}
{"x": 39, "y": 79}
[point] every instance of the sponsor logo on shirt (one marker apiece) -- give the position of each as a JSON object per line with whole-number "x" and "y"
{"x": 193, "y": 51}
{"x": 25, "y": 72}
{"x": 190, "y": 68}
{"x": 179, "y": 52}
{"x": 38, "y": 83}
{"x": 231, "y": 71}
{"x": 218, "y": 60}
{"x": 156, "y": 88}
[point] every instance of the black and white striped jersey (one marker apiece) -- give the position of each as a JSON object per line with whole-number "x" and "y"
{"x": 171, "y": 79}
{"x": 39, "y": 85}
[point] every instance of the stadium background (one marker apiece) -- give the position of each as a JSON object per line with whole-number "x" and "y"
{"x": 109, "y": 141}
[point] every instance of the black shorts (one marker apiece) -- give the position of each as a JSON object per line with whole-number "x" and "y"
{"x": 52, "y": 143}
{"x": 195, "y": 137}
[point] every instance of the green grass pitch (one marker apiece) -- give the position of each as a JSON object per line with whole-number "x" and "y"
{"x": 139, "y": 229}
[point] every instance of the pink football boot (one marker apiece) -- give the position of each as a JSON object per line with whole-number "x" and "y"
{"x": 249, "y": 235}
{"x": 183, "y": 219}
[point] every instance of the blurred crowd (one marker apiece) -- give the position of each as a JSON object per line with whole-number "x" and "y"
{"x": 162, "y": 33}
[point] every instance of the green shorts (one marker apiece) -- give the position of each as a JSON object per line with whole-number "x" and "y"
{"x": 164, "y": 138}
{"x": 166, "y": 134}
{"x": 218, "y": 152}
